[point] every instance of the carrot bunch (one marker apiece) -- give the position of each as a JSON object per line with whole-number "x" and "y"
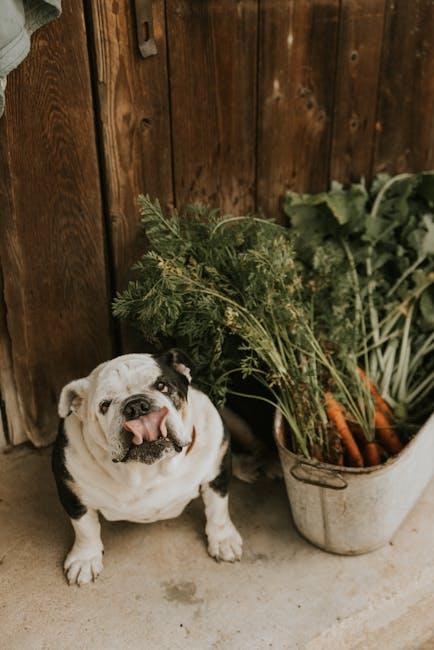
{"x": 336, "y": 415}
{"x": 361, "y": 452}
{"x": 382, "y": 419}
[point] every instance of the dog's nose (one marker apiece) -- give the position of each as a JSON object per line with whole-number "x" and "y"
{"x": 135, "y": 406}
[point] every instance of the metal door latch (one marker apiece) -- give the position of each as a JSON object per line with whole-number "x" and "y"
{"x": 145, "y": 28}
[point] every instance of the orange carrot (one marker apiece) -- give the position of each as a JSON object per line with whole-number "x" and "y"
{"x": 335, "y": 414}
{"x": 383, "y": 453}
{"x": 357, "y": 431}
{"x": 386, "y": 434}
{"x": 380, "y": 403}
{"x": 371, "y": 454}
{"x": 382, "y": 414}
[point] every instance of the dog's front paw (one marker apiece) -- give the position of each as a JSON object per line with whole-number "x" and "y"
{"x": 82, "y": 565}
{"x": 225, "y": 543}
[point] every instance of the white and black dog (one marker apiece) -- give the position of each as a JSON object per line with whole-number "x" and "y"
{"x": 137, "y": 442}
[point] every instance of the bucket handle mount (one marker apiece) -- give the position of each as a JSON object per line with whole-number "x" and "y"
{"x": 325, "y": 479}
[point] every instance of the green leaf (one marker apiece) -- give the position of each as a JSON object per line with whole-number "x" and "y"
{"x": 378, "y": 183}
{"x": 427, "y": 308}
{"x": 346, "y": 206}
{"x": 427, "y": 244}
{"x": 426, "y": 188}
{"x": 376, "y": 227}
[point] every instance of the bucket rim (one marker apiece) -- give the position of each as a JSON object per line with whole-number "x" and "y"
{"x": 338, "y": 469}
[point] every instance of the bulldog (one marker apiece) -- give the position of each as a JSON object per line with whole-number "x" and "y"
{"x": 138, "y": 442}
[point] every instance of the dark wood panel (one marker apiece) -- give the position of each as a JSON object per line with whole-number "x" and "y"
{"x": 360, "y": 42}
{"x": 213, "y": 67}
{"x": 14, "y": 430}
{"x": 405, "y": 122}
{"x": 135, "y": 123}
{"x": 51, "y": 231}
{"x": 3, "y": 440}
{"x": 297, "y": 62}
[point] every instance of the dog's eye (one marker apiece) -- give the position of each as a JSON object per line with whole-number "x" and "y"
{"x": 104, "y": 406}
{"x": 162, "y": 387}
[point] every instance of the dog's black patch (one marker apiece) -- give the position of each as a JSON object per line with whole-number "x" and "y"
{"x": 177, "y": 382}
{"x": 221, "y": 482}
{"x": 68, "y": 499}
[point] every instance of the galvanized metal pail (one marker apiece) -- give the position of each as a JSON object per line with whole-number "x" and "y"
{"x": 352, "y": 511}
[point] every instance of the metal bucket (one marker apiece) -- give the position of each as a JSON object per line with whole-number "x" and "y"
{"x": 352, "y": 511}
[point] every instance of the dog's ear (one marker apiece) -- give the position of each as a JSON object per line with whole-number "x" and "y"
{"x": 72, "y": 397}
{"x": 179, "y": 361}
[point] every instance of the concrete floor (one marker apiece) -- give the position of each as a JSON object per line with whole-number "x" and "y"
{"x": 159, "y": 588}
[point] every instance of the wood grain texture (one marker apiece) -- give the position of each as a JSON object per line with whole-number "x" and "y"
{"x": 213, "y": 57}
{"x": 9, "y": 397}
{"x": 9, "y": 418}
{"x": 297, "y": 62}
{"x": 3, "y": 441}
{"x": 361, "y": 27}
{"x": 51, "y": 231}
{"x": 134, "y": 123}
{"x": 405, "y": 119}
{"x": 224, "y": 114}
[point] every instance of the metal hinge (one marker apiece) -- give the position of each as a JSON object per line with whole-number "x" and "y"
{"x": 145, "y": 28}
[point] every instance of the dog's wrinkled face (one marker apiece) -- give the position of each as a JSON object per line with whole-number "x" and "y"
{"x": 137, "y": 401}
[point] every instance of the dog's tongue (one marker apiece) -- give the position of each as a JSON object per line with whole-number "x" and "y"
{"x": 148, "y": 427}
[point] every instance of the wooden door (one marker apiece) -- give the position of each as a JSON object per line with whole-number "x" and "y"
{"x": 55, "y": 293}
{"x": 244, "y": 100}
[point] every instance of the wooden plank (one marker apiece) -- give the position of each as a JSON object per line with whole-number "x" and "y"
{"x": 297, "y": 60}
{"x": 4, "y": 428}
{"x": 135, "y": 123}
{"x": 51, "y": 231}
{"x": 405, "y": 139}
{"x": 213, "y": 68}
{"x": 359, "y": 60}
{"x": 3, "y": 441}
{"x": 9, "y": 398}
